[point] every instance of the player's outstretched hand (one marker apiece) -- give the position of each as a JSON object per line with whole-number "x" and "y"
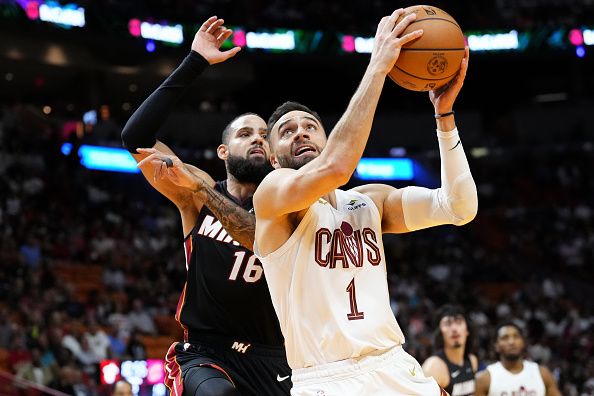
{"x": 209, "y": 38}
{"x": 170, "y": 167}
{"x": 443, "y": 98}
{"x": 389, "y": 40}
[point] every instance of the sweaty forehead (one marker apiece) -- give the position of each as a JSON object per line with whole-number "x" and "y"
{"x": 507, "y": 331}
{"x": 249, "y": 121}
{"x": 295, "y": 115}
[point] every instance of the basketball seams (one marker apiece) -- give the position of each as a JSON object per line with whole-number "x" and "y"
{"x": 431, "y": 49}
{"x": 425, "y": 78}
{"x": 435, "y": 19}
{"x": 435, "y": 53}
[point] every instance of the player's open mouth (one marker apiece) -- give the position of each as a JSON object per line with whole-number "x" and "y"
{"x": 257, "y": 151}
{"x": 304, "y": 149}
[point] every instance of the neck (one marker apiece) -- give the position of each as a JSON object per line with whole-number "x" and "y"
{"x": 455, "y": 355}
{"x": 514, "y": 366}
{"x": 239, "y": 190}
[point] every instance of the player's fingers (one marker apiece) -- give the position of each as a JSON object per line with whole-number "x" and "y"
{"x": 146, "y": 160}
{"x": 459, "y": 79}
{"x": 400, "y": 26}
{"x": 382, "y": 24}
{"x": 146, "y": 150}
{"x": 466, "y": 58}
{"x": 410, "y": 37}
{"x": 156, "y": 172}
{"x": 215, "y": 25}
{"x": 218, "y": 31}
{"x": 391, "y": 20}
{"x": 207, "y": 23}
{"x": 231, "y": 53}
{"x": 160, "y": 170}
{"x": 224, "y": 36}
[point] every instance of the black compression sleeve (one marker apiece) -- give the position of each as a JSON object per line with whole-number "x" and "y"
{"x": 141, "y": 129}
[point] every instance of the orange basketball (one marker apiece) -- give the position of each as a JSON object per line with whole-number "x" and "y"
{"x": 434, "y": 59}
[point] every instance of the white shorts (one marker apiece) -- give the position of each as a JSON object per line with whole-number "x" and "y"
{"x": 394, "y": 372}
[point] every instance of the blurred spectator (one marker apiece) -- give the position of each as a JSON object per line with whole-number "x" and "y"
{"x": 35, "y": 370}
{"x": 122, "y": 388}
{"x": 140, "y": 319}
{"x": 136, "y": 349}
{"x": 97, "y": 340}
{"x": 18, "y": 353}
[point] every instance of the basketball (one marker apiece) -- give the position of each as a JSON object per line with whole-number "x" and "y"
{"x": 434, "y": 59}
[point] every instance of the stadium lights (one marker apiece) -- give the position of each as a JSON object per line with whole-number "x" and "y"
{"x": 173, "y": 34}
{"x": 588, "y": 36}
{"x": 104, "y": 158}
{"x": 68, "y": 15}
{"x": 385, "y": 169}
{"x": 494, "y": 42}
{"x": 272, "y": 41}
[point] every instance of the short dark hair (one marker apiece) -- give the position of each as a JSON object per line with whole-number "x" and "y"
{"x": 449, "y": 310}
{"x": 228, "y": 130}
{"x": 509, "y": 323}
{"x": 286, "y": 108}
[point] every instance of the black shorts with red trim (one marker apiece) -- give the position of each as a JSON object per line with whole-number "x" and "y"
{"x": 253, "y": 369}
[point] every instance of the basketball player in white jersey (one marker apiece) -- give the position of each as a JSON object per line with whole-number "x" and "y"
{"x": 322, "y": 249}
{"x": 512, "y": 375}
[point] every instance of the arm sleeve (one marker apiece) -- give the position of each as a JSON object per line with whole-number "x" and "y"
{"x": 455, "y": 202}
{"x": 141, "y": 129}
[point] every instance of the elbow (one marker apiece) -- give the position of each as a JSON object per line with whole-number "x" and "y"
{"x": 465, "y": 208}
{"x": 463, "y": 199}
{"x": 125, "y": 135}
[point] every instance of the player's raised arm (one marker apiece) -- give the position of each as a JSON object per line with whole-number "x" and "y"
{"x": 168, "y": 168}
{"x": 456, "y": 201}
{"x": 141, "y": 129}
{"x": 335, "y": 165}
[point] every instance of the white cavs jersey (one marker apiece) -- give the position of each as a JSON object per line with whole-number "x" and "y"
{"x": 527, "y": 382}
{"x": 328, "y": 284}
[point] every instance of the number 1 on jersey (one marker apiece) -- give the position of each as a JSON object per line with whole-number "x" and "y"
{"x": 355, "y": 314}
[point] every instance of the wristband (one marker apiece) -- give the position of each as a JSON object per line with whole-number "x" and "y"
{"x": 449, "y": 113}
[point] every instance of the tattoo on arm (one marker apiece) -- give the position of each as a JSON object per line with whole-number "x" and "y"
{"x": 237, "y": 221}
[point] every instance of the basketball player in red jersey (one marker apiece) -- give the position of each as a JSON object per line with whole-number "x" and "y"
{"x": 232, "y": 343}
{"x": 322, "y": 249}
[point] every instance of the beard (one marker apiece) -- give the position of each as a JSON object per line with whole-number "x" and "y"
{"x": 247, "y": 170}
{"x": 457, "y": 344}
{"x": 512, "y": 357}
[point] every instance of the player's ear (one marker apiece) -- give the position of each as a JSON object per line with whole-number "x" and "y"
{"x": 223, "y": 152}
{"x": 274, "y": 161}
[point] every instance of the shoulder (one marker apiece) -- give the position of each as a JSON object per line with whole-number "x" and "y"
{"x": 473, "y": 361}
{"x": 545, "y": 373}
{"x": 435, "y": 362}
{"x": 435, "y": 367}
{"x": 483, "y": 382}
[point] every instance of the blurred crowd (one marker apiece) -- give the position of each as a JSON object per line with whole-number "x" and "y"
{"x": 528, "y": 257}
{"x": 358, "y": 15}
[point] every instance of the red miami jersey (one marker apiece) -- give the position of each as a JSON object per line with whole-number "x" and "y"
{"x": 329, "y": 286}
